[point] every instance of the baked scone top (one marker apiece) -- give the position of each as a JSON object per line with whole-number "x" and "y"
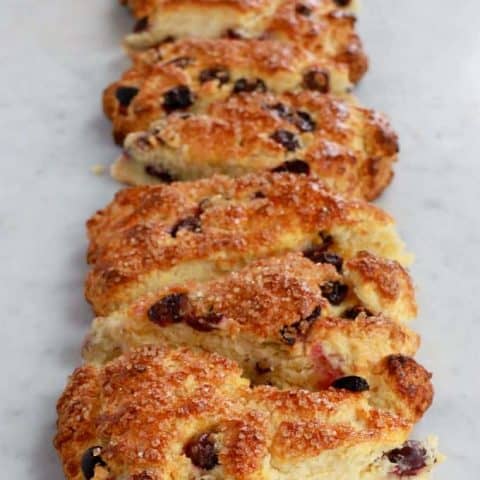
{"x": 149, "y": 237}
{"x": 351, "y": 148}
{"x": 158, "y": 414}
{"x": 319, "y": 26}
{"x": 189, "y": 74}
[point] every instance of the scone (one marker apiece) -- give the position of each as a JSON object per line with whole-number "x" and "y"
{"x": 288, "y": 322}
{"x": 152, "y": 237}
{"x": 324, "y": 27}
{"x": 189, "y": 74}
{"x": 351, "y": 148}
{"x": 158, "y": 414}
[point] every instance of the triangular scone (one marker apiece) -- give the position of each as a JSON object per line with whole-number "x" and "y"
{"x": 156, "y": 236}
{"x": 161, "y": 414}
{"x": 189, "y": 74}
{"x": 351, "y": 148}
{"x": 324, "y": 27}
{"x": 288, "y": 322}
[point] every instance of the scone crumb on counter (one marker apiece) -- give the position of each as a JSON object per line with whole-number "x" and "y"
{"x": 98, "y": 169}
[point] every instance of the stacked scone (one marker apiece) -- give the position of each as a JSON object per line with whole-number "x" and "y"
{"x": 252, "y": 320}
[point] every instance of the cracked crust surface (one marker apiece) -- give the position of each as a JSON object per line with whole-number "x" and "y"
{"x": 212, "y": 70}
{"x": 158, "y": 414}
{"x": 274, "y": 318}
{"x": 352, "y": 149}
{"x": 319, "y": 26}
{"x": 155, "y": 236}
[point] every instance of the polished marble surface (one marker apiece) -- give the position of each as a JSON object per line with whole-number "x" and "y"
{"x": 57, "y": 56}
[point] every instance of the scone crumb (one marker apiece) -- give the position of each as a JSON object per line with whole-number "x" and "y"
{"x": 98, "y": 169}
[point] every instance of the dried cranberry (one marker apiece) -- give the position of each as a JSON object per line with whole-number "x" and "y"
{"x": 287, "y": 139}
{"x": 158, "y": 172}
{"x": 180, "y": 62}
{"x": 304, "y": 122}
{"x": 125, "y": 95}
{"x": 141, "y": 25}
{"x": 351, "y": 383}
{"x": 317, "y": 79}
{"x": 293, "y": 166}
{"x": 220, "y": 74}
{"x": 168, "y": 310}
{"x": 290, "y": 333}
{"x": 205, "y": 323}
{"x": 342, "y": 3}
{"x": 177, "y": 98}
{"x": 202, "y": 451}
{"x": 409, "y": 459}
{"x": 334, "y": 292}
{"x": 90, "y": 459}
{"x": 302, "y": 9}
{"x": 244, "y": 85}
{"x": 354, "y": 312}
{"x": 191, "y": 224}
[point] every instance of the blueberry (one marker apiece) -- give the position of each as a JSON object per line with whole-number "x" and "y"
{"x": 263, "y": 367}
{"x": 180, "y": 62}
{"x": 220, "y": 74}
{"x": 317, "y": 79}
{"x": 304, "y": 122}
{"x": 334, "y": 292}
{"x": 168, "y": 310}
{"x": 287, "y": 139}
{"x": 302, "y": 9}
{"x": 177, "y": 98}
{"x": 244, "y": 85}
{"x": 354, "y": 312}
{"x": 290, "y": 333}
{"x": 202, "y": 452}
{"x": 293, "y": 166}
{"x": 158, "y": 172}
{"x": 141, "y": 25}
{"x": 409, "y": 459}
{"x": 325, "y": 257}
{"x": 351, "y": 383}
{"x": 125, "y": 95}
{"x": 90, "y": 459}
{"x": 191, "y": 224}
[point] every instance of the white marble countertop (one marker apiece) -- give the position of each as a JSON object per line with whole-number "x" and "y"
{"x": 57, "y": 56}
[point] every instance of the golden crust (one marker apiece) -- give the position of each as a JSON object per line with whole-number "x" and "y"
{"x": 315, "y": 25}
{"x": 212, "y": 69}
{"x": 351, "y": 148}
{"x": 161, "y": 414}
{"x": 274, "y": 318}
{"x": 383, "y": 285}
{"x": 151, "y": 237}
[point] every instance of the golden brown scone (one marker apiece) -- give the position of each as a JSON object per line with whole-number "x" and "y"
{"x": 324, "y": 27}
{"x": 286, "y": 320}
{"x": 158, "y": 414}
{"x": 164, "y": 235}
{"x": 352, "y": 149}
{"x": 189, "y": 74}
